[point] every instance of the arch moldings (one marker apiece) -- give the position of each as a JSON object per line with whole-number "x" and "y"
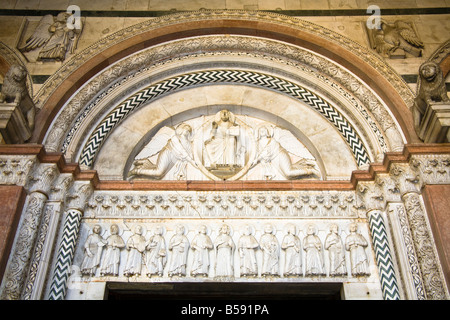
{"x": 368, "y": 66}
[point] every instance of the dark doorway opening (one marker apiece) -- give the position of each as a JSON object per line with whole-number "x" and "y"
{"x": 223, "y": 291}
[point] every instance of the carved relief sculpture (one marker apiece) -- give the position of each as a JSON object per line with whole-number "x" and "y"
{"x": 247, "y": 253}
{"x": 93, "y": 249}
{"x": 270, "y": 248}
{"x": 314, "y": 255}
{"x": 293, "y": 256}
{"x": 179, "y": 245}
{"x": 431, "y": 90}
{"x": 201, "y": 245}
{"x": 156, "y": 254}
{"x": 14, "y": 91}
{"x": 333, "y": 243}
{"x": 54, "y": 37}
{"x": 111, "y": 258}
{"x": 136, "y": 247}
{"x": 224, "y": 146}
{"x": 356, "y": 244}
{"x": 275, "y": 158}
{"x": 225, "y": 246}
{"x": 176, "y": 152}
{"x": 393, "y": 40}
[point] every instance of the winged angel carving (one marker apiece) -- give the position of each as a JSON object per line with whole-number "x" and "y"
{"x": 392, "y": 40}
{"x": 54, "y": 37}
{"x": 181, "y": 153}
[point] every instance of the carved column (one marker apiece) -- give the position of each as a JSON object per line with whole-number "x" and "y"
{"x": 77, "y": 202}
{"x": 372, "y": 202}
{"x": 411, "y": 178}
{"x": 19, "y": 264}
{"x": 406, "y": 253}
{"x": 380, "y": 242}
{"x": 423, "y": 243}
{"x": 46, "y": 239}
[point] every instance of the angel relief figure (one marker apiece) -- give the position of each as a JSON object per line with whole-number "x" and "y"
{"x": 174, "y": 150}
{"x": 393, "y": 40}
{"x": 224, "y": 146}
{"x": 273, "y": 156}
{"x": 55, "y": 37}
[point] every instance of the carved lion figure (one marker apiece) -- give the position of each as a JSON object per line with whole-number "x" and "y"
{"x": 14, "y": 90}
{"x": 431, "y": 90}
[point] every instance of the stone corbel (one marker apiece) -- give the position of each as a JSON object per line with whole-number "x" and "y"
{"x": 435, "y": 124}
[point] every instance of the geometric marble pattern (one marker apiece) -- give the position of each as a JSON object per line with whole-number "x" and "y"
{"x": 383, "y": 256}
{"x": 65, "y": 255}
{"x": 99, "y": 135}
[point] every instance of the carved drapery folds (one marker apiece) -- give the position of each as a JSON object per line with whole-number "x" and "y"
{"x": 223, "y": 251}
{"x": 290, "y": 234}
{"x": 225, "y": 147}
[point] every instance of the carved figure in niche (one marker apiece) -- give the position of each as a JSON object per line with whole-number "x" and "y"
{"x": 54, "y": 37}
{"x": 314, "y": 255}
{"x": 179, "y": 245}
{"x": 391, "y": 40}
{"x": 14, "y": 90}
{"x": 247, "y": 253}
{"x": 93, "y": 248}
{"x": 156, "y": 254}
{"x": 356, "y": 243}
{"x": 136, "y": 247}
{"x": 275, "y": 159}
{"x": 225, "y": 246}
{"x": 111, "y": 258}
{"x": 176, "y": 152}
{"x": 271, "y": 252}
{"x": 201, "y": 245}
{"x": 431, "y": 90}
{"x": 293, "y": 256}
{"x": 333, "y": 243}
{"x": 223, "y": 148}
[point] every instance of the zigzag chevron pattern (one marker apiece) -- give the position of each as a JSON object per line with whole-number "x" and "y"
{"x": 215, "y": 77}
{"x": 383, "y": 255}
{"x": 65, "y": 255}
